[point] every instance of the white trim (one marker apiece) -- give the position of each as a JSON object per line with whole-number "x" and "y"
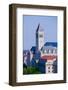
{"x": 41, "y": 77}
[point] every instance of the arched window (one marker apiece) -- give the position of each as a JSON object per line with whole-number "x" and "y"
{"x": 47, "y": 51}
{"x": 52, "y": 51}
{"x": 56, "y": 51}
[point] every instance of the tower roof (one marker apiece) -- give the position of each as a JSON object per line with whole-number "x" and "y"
{"x": 39, "y": 28}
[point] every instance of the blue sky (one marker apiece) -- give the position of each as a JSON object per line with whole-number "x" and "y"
{"x": 48, "y": 23}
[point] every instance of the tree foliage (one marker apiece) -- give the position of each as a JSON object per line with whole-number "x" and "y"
{"x": 31, "y": 70}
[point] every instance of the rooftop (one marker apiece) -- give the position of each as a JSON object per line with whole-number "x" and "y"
{"x": 54, "y": 44}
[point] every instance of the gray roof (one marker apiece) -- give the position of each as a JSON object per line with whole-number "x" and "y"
{"x": 49, "y": 45}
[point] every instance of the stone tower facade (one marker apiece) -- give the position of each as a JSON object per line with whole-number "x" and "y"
{"x": 39, "y": 37}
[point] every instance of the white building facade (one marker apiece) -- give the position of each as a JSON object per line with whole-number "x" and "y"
{"x": 49, "y": 66}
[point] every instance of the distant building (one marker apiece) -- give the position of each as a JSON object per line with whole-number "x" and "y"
{"x": 32, "y": 52}
{"x": 26, "y": 57}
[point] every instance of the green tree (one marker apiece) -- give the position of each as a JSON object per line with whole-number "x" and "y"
{"x": 31, "y": 70}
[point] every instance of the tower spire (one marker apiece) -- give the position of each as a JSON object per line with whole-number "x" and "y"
{"x": 38, "y": 27}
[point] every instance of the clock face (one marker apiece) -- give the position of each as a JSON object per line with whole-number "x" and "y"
{"x": 40, "y": 35}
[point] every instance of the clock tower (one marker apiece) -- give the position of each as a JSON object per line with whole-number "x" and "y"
{"x": 39, "y": 37}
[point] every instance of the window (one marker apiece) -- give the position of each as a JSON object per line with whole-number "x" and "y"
{"x": 52, "y": 51}
{"x": 52, "y": 67}
{"x": 48, "y": 67}
{"x": 52, "y": 70}
{"x": 48, "y": 70}
{"x": 55, "y": 51}
{"x": 47, "y": 50}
